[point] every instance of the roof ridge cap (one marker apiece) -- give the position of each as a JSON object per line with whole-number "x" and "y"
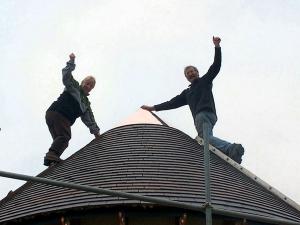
{"x": 159, "y": 119}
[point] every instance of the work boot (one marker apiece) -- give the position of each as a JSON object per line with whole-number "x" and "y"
{"x": 51, "y": 158}
{"x": 236, "y": 151}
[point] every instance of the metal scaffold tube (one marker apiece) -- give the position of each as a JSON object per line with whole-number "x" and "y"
{"x": 161, "y": 201}
{"x": 97, "y": 190}
{"x": 208, "y": 208}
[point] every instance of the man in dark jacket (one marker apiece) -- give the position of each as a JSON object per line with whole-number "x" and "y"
{"x": 200, "y": 99}
{"x": 70, "y": 105}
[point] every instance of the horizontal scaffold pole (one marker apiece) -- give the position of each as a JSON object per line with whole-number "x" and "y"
{"x": 160, "y": 201}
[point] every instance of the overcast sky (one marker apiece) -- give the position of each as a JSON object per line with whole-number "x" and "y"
{"x": 137, "y": 50}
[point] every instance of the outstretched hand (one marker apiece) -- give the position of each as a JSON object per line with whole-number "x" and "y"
{"x": 149, "y": 108}
{"x": 72, "y": 56}
{"x": 216, "y": 41}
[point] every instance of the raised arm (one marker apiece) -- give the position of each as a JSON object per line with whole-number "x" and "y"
{"x": 216, "y": 41}
{"x": 216, "y": 66}
{"x": 67, "y": 71}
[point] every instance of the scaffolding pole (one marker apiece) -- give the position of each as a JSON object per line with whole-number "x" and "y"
{"x": 97, "y": 190}
{"x": 161, "y": 201}
{"x": 208, "y": 208}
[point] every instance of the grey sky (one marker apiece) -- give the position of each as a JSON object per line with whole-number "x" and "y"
{"x": 137, "y": 50}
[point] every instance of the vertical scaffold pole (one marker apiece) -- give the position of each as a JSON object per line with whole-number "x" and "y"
{"x": 208, "y": 209}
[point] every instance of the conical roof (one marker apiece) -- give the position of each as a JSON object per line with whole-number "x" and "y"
{"x": 151, "y": 160}
{"x": 142, "y": 116}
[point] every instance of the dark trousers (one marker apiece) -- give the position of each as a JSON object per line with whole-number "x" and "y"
{"x": 60, "y": 129}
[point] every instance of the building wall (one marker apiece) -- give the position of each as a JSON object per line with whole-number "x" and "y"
{"x": 144, "y": 217}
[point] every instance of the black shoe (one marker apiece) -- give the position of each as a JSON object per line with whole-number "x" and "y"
{"x": 51, "y": 159}
{"x": 236, "y": 151}
{"x": 48, "y": 162}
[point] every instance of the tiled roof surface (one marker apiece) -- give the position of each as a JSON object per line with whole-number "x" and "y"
{"x": 151, "y": 160}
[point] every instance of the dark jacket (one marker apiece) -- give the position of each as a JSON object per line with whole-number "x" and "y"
{"x": 73, "y": 103}
{"x": 199, "y": 95}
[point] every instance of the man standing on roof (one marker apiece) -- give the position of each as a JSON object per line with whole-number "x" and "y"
{"x": 200, "y": 99}
{"x": 70, "y": 105}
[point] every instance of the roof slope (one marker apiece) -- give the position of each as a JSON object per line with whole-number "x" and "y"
{"x": 146, "y": 159}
